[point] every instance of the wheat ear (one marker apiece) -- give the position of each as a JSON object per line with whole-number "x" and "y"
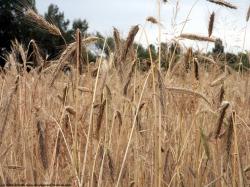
{"x": 223, "y": 3}
{"x": 211, "y": 24}
{"x": 34, "y": 17}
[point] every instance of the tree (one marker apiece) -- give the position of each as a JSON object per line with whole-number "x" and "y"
{"x": 164, "y": 55}
{"x": 244, "y": 59}
{"x": 141, "y": 51}
{"x": 55, "y": 16}
{"x": 218, "y": 47}
{"x": 110, "y": 44}
{"x": 53, "y": 44}
{"x": 11, "y": 26}
{"x": 80, "y": 24}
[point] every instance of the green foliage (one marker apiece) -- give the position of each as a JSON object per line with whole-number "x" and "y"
{"x": 10, "y": 24}
{"x": 164, "y": 55}
{"x": 14, "y": 26}
{"x": 231, "y": 58}
{"x": 110, "y": 44}
{"x": 141, "y": 51}
{"x": 80, "y": 24}
{"x": 151, "y": 48}
{"x": 218, "y": 47}
{"x": 53, "y": 44}
{"x": 244, "y": 59}
{"x": 175, "y": 49}
{"x": 55, "y": 16}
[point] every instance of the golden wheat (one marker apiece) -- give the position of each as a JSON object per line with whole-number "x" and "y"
{"x": 34, "y": 17}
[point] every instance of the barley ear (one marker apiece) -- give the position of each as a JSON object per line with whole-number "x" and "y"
{"x": 205, "y": 143}
{"x": 187, "y": 58}
{"x": 129, "y": 41}
{"x": 44, "y": 24}
{"x": 222, "y": 112}
{"x": 42, "y": 143}
{"x": 129, "y": 78}
{"x": 223, "y": 3}
{"x": 99, "y": 118}
{"x": 229, "y": 137}
{"x": 117, "y": 39}
{"x": 152, "y": 20}
{"x": 211, "y": 24}
{"x": 196, "y": 69}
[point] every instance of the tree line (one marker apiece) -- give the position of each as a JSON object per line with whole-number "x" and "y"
{"x": 13, "y": 25}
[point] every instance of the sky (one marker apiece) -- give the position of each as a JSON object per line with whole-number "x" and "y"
{"x": 103, "y": 15}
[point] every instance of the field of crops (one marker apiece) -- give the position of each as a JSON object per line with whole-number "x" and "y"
{"x": 112, "y": 123}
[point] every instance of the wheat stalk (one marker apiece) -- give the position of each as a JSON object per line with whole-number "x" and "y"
{"x": 162, "y": 91}
{"x": 205, "y": 143}
{"x": 189, "y": 92}
{"x": 222, "y": 112}
{"x": 220, "y": 79}
{"x": 5, "y": 109}
{"x": 131, "y": 132}
{"x": 229, "y": 135}
{"x": 129, "y": 77}
{"x": 187, "y": 58}
{"x": 248, "y": 14}
{"x": 197, "y": 37}
{"x": 99, "y": 118}
{"x": 42, "y": 143}
{"x": 79, "y": 51}
{"x": 111, "y": 166}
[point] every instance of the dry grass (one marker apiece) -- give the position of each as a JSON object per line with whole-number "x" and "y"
{"x": 188, "y": 109}
{"x": 144, "y": 129}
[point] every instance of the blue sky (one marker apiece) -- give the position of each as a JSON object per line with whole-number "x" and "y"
{"x": 103, "y": 15}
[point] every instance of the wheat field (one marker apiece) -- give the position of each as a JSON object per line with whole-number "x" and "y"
{"x": 109, "y": 123}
